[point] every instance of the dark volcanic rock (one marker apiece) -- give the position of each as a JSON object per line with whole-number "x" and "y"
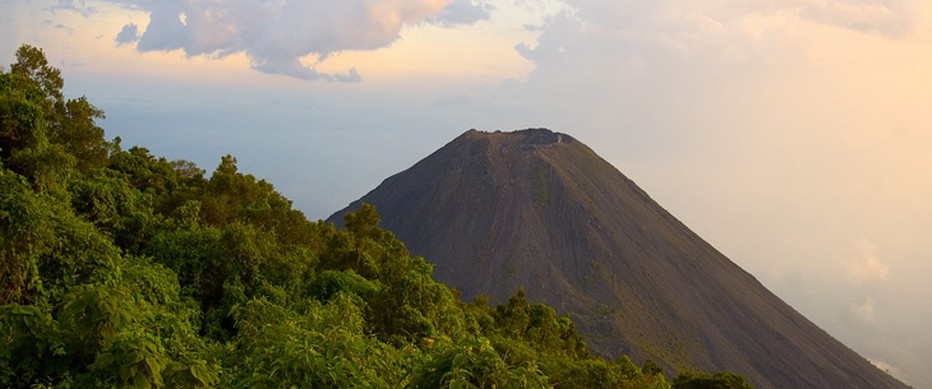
{"x": 539, "y": 210}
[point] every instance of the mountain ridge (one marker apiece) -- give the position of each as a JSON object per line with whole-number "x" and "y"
{"x": 539, "y": 210}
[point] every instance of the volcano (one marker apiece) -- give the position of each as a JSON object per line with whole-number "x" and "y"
{"x": 539, "y": 210}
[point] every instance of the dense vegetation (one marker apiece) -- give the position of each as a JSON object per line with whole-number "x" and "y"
{"x": 122, "y": 269}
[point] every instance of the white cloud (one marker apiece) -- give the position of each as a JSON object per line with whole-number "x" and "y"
{"x": 867, "y": 268}
{"x": 277, "y": 35}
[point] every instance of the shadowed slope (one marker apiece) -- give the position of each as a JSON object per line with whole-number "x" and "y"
{"x": 535, "y": 209}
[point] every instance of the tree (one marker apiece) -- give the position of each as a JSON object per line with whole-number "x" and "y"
{"x": 32, "y": 64}
{"x": 69, "y": 123}
{"x": 702, "y": 380}
{"x": 24, "y": 145}
{"x": 26, "y": 234}
{"x": 22, "y": 118}
{"x": 76, "y": 130}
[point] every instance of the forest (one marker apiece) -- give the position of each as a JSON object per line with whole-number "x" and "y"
{"x": 119, "y": 268}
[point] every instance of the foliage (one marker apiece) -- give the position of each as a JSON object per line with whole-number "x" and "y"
{"x": 702, "y": 380}
{"x": 122, "y": 269}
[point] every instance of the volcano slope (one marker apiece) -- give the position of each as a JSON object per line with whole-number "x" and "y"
{"x": 539, "y": 210}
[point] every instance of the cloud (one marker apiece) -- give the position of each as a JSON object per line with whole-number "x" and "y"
{"x": 59, "y": 25}
{"x": 863, "y": 310}
{"x": 720, "y": 27}
{"x": 463, "y": 12}
{"x": 867, "y": 268}
{"x": 129, "y": 34}
{"x": 279, "y": 35}
{"x": 79, "y": 6}
{"x": 866, "y": 272}
{"x": 293, "y": 67}
{"x": 887, "y": 17}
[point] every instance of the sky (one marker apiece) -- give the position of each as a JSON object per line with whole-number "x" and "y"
{"x": 793, "y": 135}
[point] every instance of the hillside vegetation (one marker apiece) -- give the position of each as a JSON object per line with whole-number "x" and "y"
{"x": 123, "y": 269}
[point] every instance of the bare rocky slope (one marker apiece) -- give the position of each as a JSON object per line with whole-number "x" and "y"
{"x": 539, "y": 210}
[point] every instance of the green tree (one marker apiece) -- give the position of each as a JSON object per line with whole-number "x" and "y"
{"x": 67, "y": 122}
{"x": 32, "y": 64}
{"x": 701, "y": 380}
{"x": 26, "y": 234}
{"x": 473, "y": 362}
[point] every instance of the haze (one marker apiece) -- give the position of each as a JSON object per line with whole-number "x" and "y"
{"x": 792, "y": 135}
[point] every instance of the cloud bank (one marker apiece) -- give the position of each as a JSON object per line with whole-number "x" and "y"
{"x": 717, "y": 28}
{"x": 277, "y": 34}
